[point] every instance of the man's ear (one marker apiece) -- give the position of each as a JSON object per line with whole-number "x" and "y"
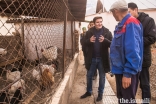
{"x": 136, "y": 9}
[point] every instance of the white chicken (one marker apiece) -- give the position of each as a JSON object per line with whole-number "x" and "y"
{"x": 36, "y": 72}
{"x": 3, "y": 51}
{"x": 50, "y": 53}
{"x": 15, "y": 86}
{"x": 13, "y": 76}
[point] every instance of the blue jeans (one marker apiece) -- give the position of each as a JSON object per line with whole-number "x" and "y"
{"x": 96, "y": 64}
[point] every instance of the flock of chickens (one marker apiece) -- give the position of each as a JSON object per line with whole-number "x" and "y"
{"x": 42, "y": 73}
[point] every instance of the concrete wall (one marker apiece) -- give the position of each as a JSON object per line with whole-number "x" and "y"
{"x": 110, "y": 22}
{"x": 63, "y": 91}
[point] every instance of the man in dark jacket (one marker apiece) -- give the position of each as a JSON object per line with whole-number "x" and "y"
{"x": 98, "y": 40}
{"x": 90, "y": 25}
{"x": 82, "y": 41}
{"x": 149, "y": 37}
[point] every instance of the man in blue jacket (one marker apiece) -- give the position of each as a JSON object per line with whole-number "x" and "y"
{"x": 126, "y": 52}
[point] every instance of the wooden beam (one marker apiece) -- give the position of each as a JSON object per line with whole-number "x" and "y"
{"x": 10, "y": 61}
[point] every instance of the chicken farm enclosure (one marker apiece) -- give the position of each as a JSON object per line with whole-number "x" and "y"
{"x": 38, "y": 41}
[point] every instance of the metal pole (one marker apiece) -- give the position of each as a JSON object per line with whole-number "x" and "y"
{"x": 22, "y": 32}
{"x": 64, "y": 40}
{"x": 74, "y": 25}
{"x": 72, "y": 39}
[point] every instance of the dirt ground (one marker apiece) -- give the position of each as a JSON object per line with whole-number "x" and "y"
{"x": 79, "y": 87}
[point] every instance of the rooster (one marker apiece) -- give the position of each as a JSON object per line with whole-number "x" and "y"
{"x": 3, "y": 51}
{"x": 36, "y": 72}
{"x": 46, "y": 78}
{"x": 50, "y": 53}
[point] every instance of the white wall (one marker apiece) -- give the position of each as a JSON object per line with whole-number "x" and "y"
{"x": 109, "y": 21}
{"x": 6, "y": 28}
{"x": 44, "y": 35}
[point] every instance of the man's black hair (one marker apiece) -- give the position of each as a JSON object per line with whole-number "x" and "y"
{"x": 132, "y": 6}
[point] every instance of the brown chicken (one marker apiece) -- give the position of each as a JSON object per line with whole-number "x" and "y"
{"x": 47, "y": 79}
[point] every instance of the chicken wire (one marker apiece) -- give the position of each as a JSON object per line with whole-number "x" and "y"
{"x": 32, "y": 56}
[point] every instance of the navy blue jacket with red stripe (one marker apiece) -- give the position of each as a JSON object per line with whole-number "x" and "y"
{"x": 126, "y": 50}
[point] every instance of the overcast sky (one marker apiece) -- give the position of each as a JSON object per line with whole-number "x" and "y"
{"x": 142, "y": 4}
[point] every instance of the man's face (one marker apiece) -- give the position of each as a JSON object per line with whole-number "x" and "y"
{"x": 115, "y": 14}
{"x": 98, "y": 24}
{"x": 84, "y": 30}
{"x": 133, "y": 12}
{"x": 91, "y": 25}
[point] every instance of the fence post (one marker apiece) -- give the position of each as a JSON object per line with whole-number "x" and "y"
{"x": 74, "y": 25}
{"x": 72, "y": 37}
{"x": 64, "y": 41}
{"x": 22, "y": 33}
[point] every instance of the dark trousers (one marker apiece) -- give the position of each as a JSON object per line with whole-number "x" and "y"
{"x": 145, "y": 83}
{"x": 84, "y": 53}
{"x": 126, "y": 95}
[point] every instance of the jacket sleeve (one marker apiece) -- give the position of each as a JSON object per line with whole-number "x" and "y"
{"x": 149, "y": 33}
{"x": 132, "y": 50}
{"x": 87, "y": 38}
{"x": 108, "y": 39}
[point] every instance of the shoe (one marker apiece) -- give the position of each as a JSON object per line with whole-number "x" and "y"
{"x": 85, "y": 95}
{"x": 99, "y": 98}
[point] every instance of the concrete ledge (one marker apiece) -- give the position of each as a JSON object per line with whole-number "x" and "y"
{"x": 62, "y": 93}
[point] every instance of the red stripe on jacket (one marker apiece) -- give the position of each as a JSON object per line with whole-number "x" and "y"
{"x": 129, "y": 20}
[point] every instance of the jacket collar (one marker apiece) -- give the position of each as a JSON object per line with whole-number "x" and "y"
{"x": 124, "y": 19}
{"x": 122, "y": 22}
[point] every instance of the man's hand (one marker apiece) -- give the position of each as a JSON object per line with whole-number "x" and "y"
{"x": 126, "y": 82}
{"x": 92, "y": 39}
{"x": 101, "y": 38}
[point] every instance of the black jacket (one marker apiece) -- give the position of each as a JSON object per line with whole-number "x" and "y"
{"x": 104, "y": 49}
{"x": 149, "y": 36}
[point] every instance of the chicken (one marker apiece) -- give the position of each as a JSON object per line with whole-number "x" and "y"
{"x": 50, "y": 67}
{"x": 13, "y": 76}
{"x": 47, "y": 78}
{"x": 3, "y": 51}
{"x": 50, "y": 53}
{"x": 36, "y": 72}
{"x": 15, "y": 86}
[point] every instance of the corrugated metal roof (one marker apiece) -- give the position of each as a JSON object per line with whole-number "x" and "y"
{"x": 53, "y": 9}
{"x": 142, "y": 4}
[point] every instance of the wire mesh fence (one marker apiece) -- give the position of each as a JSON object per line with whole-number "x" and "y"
{"x": 33, "y": 57}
